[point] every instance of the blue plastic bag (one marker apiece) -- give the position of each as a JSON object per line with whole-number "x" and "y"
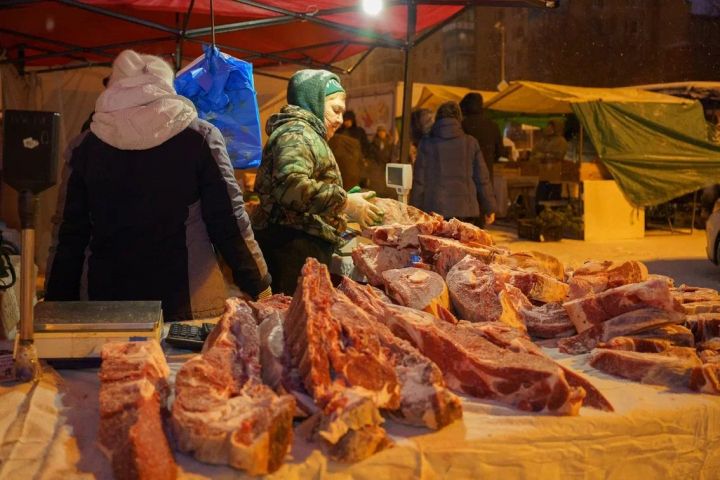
{"x": 222, "y": 89}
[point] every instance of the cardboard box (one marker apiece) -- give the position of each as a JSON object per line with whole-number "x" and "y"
{"x": 607, "y": 213}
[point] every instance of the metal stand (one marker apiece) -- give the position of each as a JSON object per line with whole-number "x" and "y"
{"x": 407, "y": 84}
{"x": 27, "y": 365}
{"x": 676, "y": 230}
{"x": 403, "y": 195}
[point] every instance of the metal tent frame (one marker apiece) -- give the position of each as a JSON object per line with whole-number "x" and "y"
{"x": 366, "y": 39}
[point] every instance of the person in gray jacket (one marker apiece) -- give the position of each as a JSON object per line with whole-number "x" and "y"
{"x": 147, "y": 201}
{"x": 450, "y": 175}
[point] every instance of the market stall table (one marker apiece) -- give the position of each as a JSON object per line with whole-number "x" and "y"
{"x": 523, "y": 187}
{"x": 49, "y": 431}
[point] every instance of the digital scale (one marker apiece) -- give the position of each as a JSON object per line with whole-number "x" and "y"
{"x": 400, "y": 177}
{"x": 75, "y": 332}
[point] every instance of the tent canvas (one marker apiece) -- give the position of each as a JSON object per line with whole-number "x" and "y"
{"x": 432, "y": 96}
{"x": 655, "y": 145}
{"x": 695, "y": 90}
{"x": 655, "y": 153}
{"x": 546, "y": 98}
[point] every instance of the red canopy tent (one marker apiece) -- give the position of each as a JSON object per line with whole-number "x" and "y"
{"x": 75, "y": 33}
{"x": 65, "y": 34}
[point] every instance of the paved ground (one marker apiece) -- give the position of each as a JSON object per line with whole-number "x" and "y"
{"x": 679, "y": 256}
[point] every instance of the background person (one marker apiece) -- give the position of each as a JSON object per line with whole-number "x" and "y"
{"x": 350, "y": 128}
{"x": 450, "y": 176}
{"x": 382, "y": 151}
{"x": 549, "y": 150}
{"x": 303, "y": 205}
{"x": 146, "y": 194}
{"x": 484, "y": 130}
{"x": 421, "y": 122}
{"x": 381, "y": 148}
{"x": 552, "y": 147}
{"x": 348, "y": 155}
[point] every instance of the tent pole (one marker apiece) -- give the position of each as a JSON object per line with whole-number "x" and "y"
{"x": 72, "y": 67}
{"x": 339, "y": 52}
{"x": 381, "y": 38}
{"x": 307, "y": 47}
{"x": 181, "y": 37}
{"x": 581, "y": 143}
{"x": 265, "y": 22}
{"x": 178, "y": 54}
{"x": 429, "y": 32}
{"x": 99, "y": 50}
{"x": 280, "y": 60}
{"x": 407, "y": 83}
{"x": 270, "y": 75}
{"x": 360, "y": 60}
{"x": 118, "y": 16}
{"x": 694, "y": 207}
{"x": 52, "y": 42}
{"x": 42, "y": 49}
{"x": 21, "y": 60}
{"x": 212, "y": 22}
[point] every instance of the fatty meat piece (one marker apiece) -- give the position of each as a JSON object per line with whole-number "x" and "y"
{"x": 594, "y": 309}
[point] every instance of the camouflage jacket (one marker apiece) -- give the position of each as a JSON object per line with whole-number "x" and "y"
{"x": 298, "y": 181}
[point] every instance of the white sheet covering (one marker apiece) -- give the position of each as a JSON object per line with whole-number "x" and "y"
{"x": 653, "y": 434}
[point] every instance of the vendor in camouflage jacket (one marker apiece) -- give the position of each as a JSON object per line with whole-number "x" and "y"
{"x": 303, "y": 206}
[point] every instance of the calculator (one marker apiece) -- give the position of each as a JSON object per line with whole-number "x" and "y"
{"x": 188, "y": 337}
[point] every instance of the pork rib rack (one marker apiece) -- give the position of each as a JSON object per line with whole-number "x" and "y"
{"x": 223, "y": 414}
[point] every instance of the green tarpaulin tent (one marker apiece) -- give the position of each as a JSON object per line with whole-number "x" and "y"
{"x": 656, "y": 146}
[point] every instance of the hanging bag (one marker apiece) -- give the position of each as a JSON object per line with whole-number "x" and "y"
{"x": 221, "y": 88}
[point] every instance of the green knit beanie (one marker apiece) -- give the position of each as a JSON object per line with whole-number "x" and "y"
{"x": 308, "y": 88}
{"x": 333, "y": 86}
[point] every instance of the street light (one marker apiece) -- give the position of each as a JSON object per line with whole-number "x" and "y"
{"x": 372, "y": 7}
{"x": 501, "y": 28}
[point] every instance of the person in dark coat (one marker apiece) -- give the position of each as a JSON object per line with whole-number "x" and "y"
{"x": 421, "y": 122}
{"x": 484, "y": 130}
{"x": 350, "y": 127}
{"x": 147, "y": 200}
{"x": 382, "y": 150}
{"x": 450, "y": 176}
{"x": 353, "y": 167}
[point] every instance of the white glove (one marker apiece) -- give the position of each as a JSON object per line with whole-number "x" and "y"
{"x": 359, "y": 210}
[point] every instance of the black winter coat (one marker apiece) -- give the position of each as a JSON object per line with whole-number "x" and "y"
{"x": 450, "y": 176}
{"x": 488, "y": 135}
{"x": 142, "y": 224}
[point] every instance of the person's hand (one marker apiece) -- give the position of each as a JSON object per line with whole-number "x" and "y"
{"x": 267, "y": 293}
{"x": 489, "y": 219}
{"x": 359, "y": 210}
